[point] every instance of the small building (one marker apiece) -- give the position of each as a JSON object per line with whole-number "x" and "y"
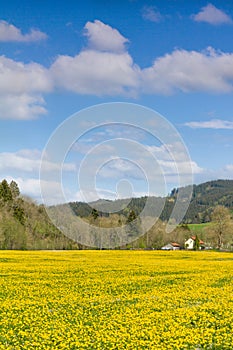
{"x": 190, "y": 243}
{"x": 171, "y": 246}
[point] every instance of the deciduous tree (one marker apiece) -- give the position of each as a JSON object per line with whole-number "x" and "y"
{"x": 221, "y": 223}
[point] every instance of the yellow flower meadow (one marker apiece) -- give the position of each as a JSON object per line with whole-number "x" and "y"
{"x": 116, "y": 300}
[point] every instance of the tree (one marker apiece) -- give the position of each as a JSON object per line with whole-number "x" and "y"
{"x": 133, "y": 227}
{"x": 221, "y": 223}
{"x": 14, "y": 189}
{"x": 94, "y": 214}
{"x": 14, "y": 235}
{"x": 156, "y": 236}
{"x": 5, "y": 192}
{"x": 131, "y": 217}
{"x": 196, "y": 244}
{"x": 18, "y": 211}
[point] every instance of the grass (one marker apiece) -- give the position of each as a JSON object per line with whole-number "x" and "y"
{"x": 198, "y": 227}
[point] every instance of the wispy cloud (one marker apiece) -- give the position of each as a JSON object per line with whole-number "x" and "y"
{"x": 211, "y": 124}
{"x": 29, "y": 161}
{"x": 8, "y": 32}
{"x": 150, "y": 13}
{"x": 212, "y": 15}
{"x": 225, "y": 172}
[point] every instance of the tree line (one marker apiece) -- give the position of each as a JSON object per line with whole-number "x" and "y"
{"x": 26, "y": 225}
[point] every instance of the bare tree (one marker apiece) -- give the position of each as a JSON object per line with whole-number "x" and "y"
{"x": 221, "y": 224}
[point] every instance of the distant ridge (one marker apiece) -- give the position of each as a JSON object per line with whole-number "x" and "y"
{"x": 205, "y": 197}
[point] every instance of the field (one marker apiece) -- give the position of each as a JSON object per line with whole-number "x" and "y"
{"x": 197, "y": 228}
{"x": 116, "y": 300}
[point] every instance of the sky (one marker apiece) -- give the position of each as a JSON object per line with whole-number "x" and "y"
{"x": 59, "y": 58}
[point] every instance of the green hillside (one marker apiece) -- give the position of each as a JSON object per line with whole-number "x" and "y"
{"x": 205, "y": 197}
{"x": 208, "y": 195}
{"x": 25, "y": 225}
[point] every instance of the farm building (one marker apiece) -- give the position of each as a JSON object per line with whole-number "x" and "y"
{"x": 171, "y": 246}
{"x": 190, "y": 243}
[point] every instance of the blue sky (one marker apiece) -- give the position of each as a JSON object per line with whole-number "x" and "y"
{"x": 57, "y": 58}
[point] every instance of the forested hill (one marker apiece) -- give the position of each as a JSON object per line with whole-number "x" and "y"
{"x": 205, "y": 197}
{"x": 25, "y": 225}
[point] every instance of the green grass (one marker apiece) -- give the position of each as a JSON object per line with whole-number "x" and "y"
{"x": 198, "y": 227}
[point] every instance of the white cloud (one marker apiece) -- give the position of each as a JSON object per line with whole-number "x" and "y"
{"x": 102, "y": 37}
{"x": 91, "y": 196}
{"x": 28, "y": 187}
{"x": 211, "y": 124}
{"x": 29, "y": 161}
{"x": 8, "y": 32}
{"x": 21, "y": 88}
{"x": 225, "y": 172}
{"x": 21, "y": 107}
{"x": 151, "y": 14}
{"x": 17, "y": 77}
{"x": 190, "y": 71}
{"x": 229, "y": 170}
{"x": 212, "y": 15}
{"x": 173, "y": 160}
{"x": 121, "y": 168}
{"x": 100, "y": 193}
{"x": 140, "y": 162}
{"x": 31, "y": 187}
{"x": 97, "y": 73}
{"x": 107, "y": 69}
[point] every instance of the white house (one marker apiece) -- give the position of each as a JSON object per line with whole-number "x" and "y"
{"x": 189, "y": 244}
{"x": 171, "y": 246}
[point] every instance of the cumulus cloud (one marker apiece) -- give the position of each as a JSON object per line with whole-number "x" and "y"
{"x": 97, "y": 73}
{"x": 8, "y": 32}
{"x": 190, "y": 71}
{"x": 102, "y": 37}
{"x": 211, "y": 124}
{"x": 31, "y": 187}
{"x": 21, "y": 107}
{"x": 150, "y": 13}
{"x": 212, "y": 15}
{"x": 21, "y": 88}
{"x": 105, "y": 68}
{"x": 17, "y": 77}
{"x": 24, "y": 165}
{"x": 110, "y": 73}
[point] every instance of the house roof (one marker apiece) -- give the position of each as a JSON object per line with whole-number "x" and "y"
{"x": 174, "y": 244}
{"x": 171, "y": 245}
{"x": 200, "y": 241}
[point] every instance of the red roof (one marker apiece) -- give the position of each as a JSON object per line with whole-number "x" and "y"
{"x": 194, "y": 238}
{"x": 175, "y": 244}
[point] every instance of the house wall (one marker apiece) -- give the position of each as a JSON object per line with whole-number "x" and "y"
{"x": 189, "y": 244}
